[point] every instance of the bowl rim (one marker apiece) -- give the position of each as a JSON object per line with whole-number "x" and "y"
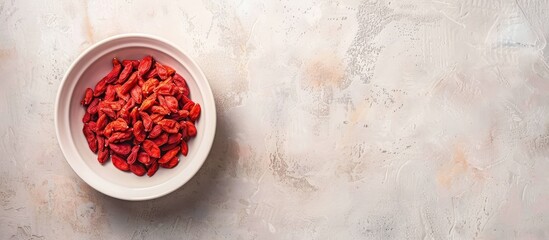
{"x": 207, "y": 141}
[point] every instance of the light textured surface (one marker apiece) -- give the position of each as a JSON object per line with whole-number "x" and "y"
{"x": 336, "y": 120}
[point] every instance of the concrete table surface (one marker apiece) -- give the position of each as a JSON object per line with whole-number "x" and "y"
{"x": 336, "y": 120}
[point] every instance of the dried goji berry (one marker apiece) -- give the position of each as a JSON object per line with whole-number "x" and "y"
{"x": 144, "y": 65}
{"x": 155, "y": 132}
{"x": 144, "y": 158}
{"x": 168, "y": 147}
{"x": 184, "y": 148}
{"x": 153, "y": 73}
{"x": 160, "y": 140}
{"x": 169, "y": 155}
{"x": 155, "y": 117}
{"x": 134, "y": 114}
{"x": 120, "y": 163}
{"x": 191, "y": 129}
{"x": 137, "y": 94}
{"x": 122, "y": 149}
{"x": 90, "y": 137}
{"x": 139, "y": 131}
{"x": 171, "y": 164}
{"x": 194, "y": 114}
{"x": 87, "y": 117}
{"x": 170, "y": 70}
{"x": 117, "y": 125}
{"x": 147, "y": 121}
{"x": 100, "y": 87}
{"x": 160, "y": 110}
{"x": 149, "y": 86}
{"x": 169, "y": 125}
{"x": 151, "y": 148}
{"x": 128, "y": 67}
{"x": 171, "y": 103}
{"x": 110, "y": 94}
{"x": 152, "y": 169}
{"x": 101, "y": 122}
{"x": 88, "y": 97}
{"x": 93, "y": 107}
{"x": 138, "y": 169}
{"x": 174, "y": 138}
{"x": 148, "y": 102}
{"x": 179, "y": 81}
{"x": 120, "y": 136}
{"x": 162, "y": 72}
{"x": 180, "y": 115}
{"x": 113, "y": 75}
{"x": 188, "y": 106}
{"x": 133, "y": 154}
{"x": 128, "y": 85}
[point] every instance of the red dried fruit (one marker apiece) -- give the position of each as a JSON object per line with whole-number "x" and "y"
{"x": 128, "y": 85}
{"x": 170, "y": 70}
{"x": 117, "y": 125}
{"x": 179, "y": 81}
{"x": 100, "y": 87}
{"x": 122, "y": 149}
{"x": 144, "y": 65}
{"x": 174, "y": 138}
{"x": 155, "y": 132}
{"x": 191, "y": 129}
{"x": 112, "y": 76}
{"x": 134, "y": 114}
{"x": 133, "y": 154}
{"x": 90, "y": 137}
{"x": 169, "y": 155}
{"x": 87, "y": 117}
{"x": 93, "y": 126}
{"x": 152, "y": 169}
{"x": 153, "y": 73}
{"x": 147, "y": 121}
{"x": 93, "y": 107}
{"x": 120, "y": 163}
{"x": 144, "y": 158}
{"x": 168, "y": 147}
{"x": 184, "y": 148}
{"x": 149, "y": 86}
{"x": 169, "y": 125}
{"x": 180, "y": 115}
{"x": 162, "y": 72}
{"x": 151, "y": 148}
{"x": 155, "y": 117}
{"x": 128, "y": 67}
{"x": 138, "y": 169}
{"x": 194, "y": 114}
{"x": 148, "y": 102}
{"x": 101, "y": 122}
{"x": 110, "y": 94}
{"x": 165, "y": 89}
{"x": 160, "y": 140}
{"x": 114, "y": 105}
{"x": 88, "y": 97}
{"x": 171, "y": 103}
{"x": 137, "y": 94}
{"x": 109, "y": 112}
{"x": 102, "y": 152}
{"x": 139, "y": 131}
{"x": 120, "y": 136}
{"x": 188, "y": 106}
{"x": 171, "y": 164}
{"x": 160, "y": 110}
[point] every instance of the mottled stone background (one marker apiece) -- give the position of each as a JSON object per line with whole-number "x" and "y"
{"x": 337, "y": 120}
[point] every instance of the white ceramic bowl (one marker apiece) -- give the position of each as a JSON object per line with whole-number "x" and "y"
{"x": 85, "y": 72}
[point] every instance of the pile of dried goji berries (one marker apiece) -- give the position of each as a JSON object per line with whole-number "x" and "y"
{"x": 140, "y": 115}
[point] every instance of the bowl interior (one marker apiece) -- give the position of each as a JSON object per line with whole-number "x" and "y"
{"x": 86, "y": 72}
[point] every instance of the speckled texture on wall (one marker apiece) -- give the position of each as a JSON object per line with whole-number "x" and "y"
{"x": 336, "y": 120}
